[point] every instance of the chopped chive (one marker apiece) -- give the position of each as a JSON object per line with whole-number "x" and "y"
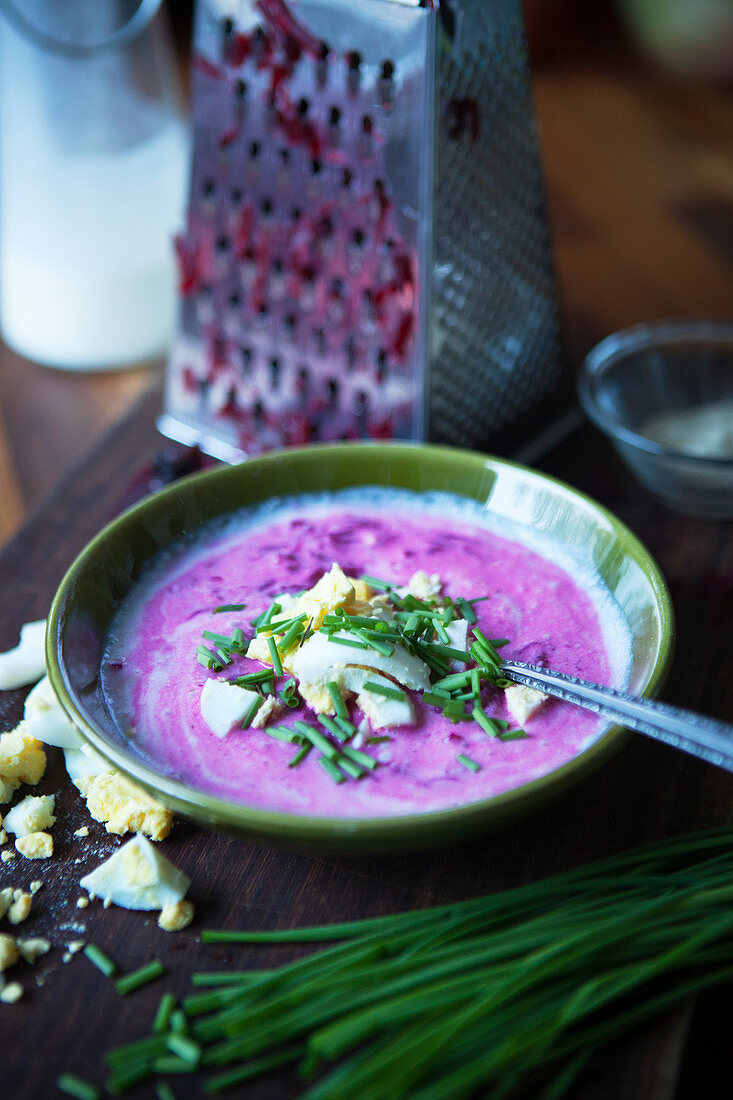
{"x": 273, "y": 610}
{"x": 178, "y": 1022}
{"x": 275, "y": 655}
{"x": 513, "y": 735}
{"x": 337, "y": 699}
{"x": 330, "y": 725}
{"x": 169, "y": 1063}
{"x": 239, "y": 642}
{"x": 376, "y": 583}
{"x": 316, "y": 738}
{"x": 468, "y": 762}
{"x": 148, "y": 973}
{"x": 291, "y": 634}
{"x": 451, "y": 653}
{"x": 184, "y": 1048}
{"x": 283, "y": 733}
{"x": 455, "y": 711}
{"x": 442, "y": 632}
{"x": 377, "y": 740}
{"x": 476, "y": 684}
{"x": 208, "y": 658}
{"x": 229, "y": 607}
{"x": 466, "y": 610}
{"x": 77, "y": 1086}
{"x": 350, "y": 642}
{"x": 331, "y": 769}
{"x": 163, "y": 1015}
{"x": 355, "y": 771}
{"x": 299, "y": 756}
{"x": 126, "y": 1077}
{"x": 455, "y": 680}
{"x": 250, "y": 678}
{"x": 100, "y": 960}
{"x": 435, "y": 698}
{"x": 487, "y": 724}
{"x": 282, "y": 625}
{"x": 164, "y": 1091}
{"x": 359, "y": 757}
{"x": 343, "y": 723}
{"x": 252, "y": 709}
{"x": 218, "y": 639}
{"x": 382, "y": 689}
{"x": 385, "y": 648}
{"x": 497, "y": 643}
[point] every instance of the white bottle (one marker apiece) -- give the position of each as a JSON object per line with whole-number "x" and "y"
{"x": 93, "y": 173}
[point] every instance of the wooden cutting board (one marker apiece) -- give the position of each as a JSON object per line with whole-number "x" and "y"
{"x": 70, "y": 1013}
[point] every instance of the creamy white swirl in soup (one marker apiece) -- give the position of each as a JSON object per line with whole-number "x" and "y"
{"x": 339, "y": 656}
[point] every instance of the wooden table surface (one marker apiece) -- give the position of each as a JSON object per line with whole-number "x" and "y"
{"x": 639, "y": 170}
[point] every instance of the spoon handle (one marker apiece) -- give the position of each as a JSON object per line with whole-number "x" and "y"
{"x": 682, "y": 729}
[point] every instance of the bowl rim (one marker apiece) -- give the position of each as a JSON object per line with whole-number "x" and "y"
{"x": 396, "y": 832}
{"x": 648, "y": 334}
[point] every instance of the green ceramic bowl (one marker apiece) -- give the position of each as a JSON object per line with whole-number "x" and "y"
{"x": 105, "y": 571}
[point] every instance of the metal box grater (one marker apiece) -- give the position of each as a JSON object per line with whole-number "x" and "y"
{"x": 366, "y": 252}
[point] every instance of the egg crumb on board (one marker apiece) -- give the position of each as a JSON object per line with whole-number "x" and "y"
{"x": 175, "y": 917}
{"x": 137, "y": 876}
{"x": 35, "y": 845}
{"x": 34, "y": 813}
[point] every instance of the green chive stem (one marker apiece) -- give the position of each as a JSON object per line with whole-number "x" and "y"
{"x": 148, "y": 973}
{"x": 99, "y": 959}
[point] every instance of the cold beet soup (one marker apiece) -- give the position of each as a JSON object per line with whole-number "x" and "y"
{"x": 337, "y": 656}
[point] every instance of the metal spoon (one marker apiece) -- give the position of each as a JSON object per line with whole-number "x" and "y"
{"x": 707, "y": 738}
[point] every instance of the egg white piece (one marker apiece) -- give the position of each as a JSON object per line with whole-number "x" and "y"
{"x": 47, "y": 721}
{"x": 137, "y": 876}
{"x": 26, "y": 663}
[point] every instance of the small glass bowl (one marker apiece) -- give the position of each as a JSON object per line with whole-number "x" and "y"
{"x": 663, "y": 393}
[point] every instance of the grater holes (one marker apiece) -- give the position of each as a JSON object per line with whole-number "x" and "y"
{"x": 333, "y": 390}
{"x": 347, "y": 178}
{"x": 334, "y": 115}
{"x": 387, "y": 69}
{"x": 254, "y": 150}
{"x": 275, "y": 371}
{"x": 284, "y": 155}
{"x": 208, "y": 187}
{"x": 266, "y": 207}
{"x": 236, "y": 196}
{"x": 235, "y": 300}
{"x": 316, "y": 166}
{"x": 367, "y": 125}
{"x": 240, "y": 89}
{"x": 303, "y": 106}
{"x": 358, "y": 237}
{"x": 296, "y": 214}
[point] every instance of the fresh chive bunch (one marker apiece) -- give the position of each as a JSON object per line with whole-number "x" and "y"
{"x": 488, "y": 994}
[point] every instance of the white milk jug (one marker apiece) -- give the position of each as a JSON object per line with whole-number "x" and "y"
{"x": 93, "y": 174}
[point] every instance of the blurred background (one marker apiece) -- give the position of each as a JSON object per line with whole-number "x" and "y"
{"x": 634, "y": 105}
